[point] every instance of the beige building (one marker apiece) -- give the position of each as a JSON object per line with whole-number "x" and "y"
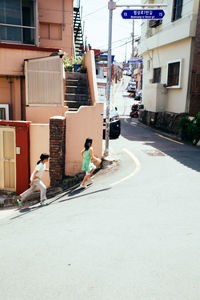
{"x": 167, "y": 50}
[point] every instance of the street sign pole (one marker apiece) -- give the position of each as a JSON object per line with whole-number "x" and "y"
{"x": 111, "y": 6}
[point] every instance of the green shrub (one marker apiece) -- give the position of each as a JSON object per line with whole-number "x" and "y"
{"x": 190, "y": 129}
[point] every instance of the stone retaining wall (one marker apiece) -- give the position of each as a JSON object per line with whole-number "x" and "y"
{"x": 165, "y": 121}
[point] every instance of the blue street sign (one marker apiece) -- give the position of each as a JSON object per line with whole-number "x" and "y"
{"x": 135, "y": 61}
{"x": 143, "y": 14}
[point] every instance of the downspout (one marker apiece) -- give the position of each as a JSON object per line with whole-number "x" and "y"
{"x": 11, "y": 99}
{"x": 63, "y": 14}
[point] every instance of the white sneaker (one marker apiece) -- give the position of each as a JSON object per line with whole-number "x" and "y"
{"x": 82, "y": 186}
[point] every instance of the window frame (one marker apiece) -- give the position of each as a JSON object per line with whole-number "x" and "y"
{"x": 159, "y": 68}
{"x": 6, "y": 107}
{"x": 174, "y": 19}
{"x": 35, "y": 27}
{"x": 180, "y": 74}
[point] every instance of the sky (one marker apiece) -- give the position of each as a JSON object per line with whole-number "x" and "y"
{"x": 96, "y": 15}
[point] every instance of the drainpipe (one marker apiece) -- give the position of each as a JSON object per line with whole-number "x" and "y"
{"x": 11, "y": 99}
{"x": 63, "y": 11}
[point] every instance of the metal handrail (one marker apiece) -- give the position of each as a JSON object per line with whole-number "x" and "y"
{"x": 16, "y": 26}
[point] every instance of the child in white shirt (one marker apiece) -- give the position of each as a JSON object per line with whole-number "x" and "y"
{"x": 36, "y": 181}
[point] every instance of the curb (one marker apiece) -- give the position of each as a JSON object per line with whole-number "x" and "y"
{"x": 10, "y": 200}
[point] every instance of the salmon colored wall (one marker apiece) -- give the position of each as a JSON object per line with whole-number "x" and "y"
{"x": 87, "y": 122}
{"x": 42, "y": 114}
{"x": 16, "y": 95}
{"x": 4, "y": 91}
{"x": 91, "y": 71}
{"x": 39, "y": 143}
{"x": 12, "y": 60}
{"x": 51, "y": 31}
{"x": 8, "y": 91}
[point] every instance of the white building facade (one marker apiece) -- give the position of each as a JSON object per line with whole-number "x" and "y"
{"x": 167, "y": 50}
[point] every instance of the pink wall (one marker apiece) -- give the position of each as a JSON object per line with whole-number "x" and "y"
{"x": 39, "y": 143}
{"x": 4, "y": 91}
{"x": 51, "y": 31}
{"x": 11, "y": 91}
{"x": 91, "y": 71}
{"x": 87, "y": 122}
{"x": 42, "y": 114}
{"x": 12, "y": 60}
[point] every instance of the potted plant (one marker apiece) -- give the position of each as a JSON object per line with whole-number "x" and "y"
{"x": 68, "y": 63}
{"x": 77, "y": 63}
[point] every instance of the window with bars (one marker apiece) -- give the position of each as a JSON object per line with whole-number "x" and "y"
{"x": 156, "y": 75}
{"x": 17, "y": 21}
{"x": 177, "y": 10}
{"x": 173, "y": 78}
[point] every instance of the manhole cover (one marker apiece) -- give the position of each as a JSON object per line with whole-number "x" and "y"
{"x": 154, "y": 153}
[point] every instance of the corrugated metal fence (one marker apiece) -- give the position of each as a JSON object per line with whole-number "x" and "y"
{"x": 44, "y": 81}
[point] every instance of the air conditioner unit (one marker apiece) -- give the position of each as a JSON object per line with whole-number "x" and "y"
{"x": 149, "y": 32}
{"x": 154, "y": 23}
{"x": 4, "y": 111}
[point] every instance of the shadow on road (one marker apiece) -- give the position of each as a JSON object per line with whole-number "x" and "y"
{"x": 186, "y": 154}
{"x": 71, "y": 194}
{"x": 76, "y": 194}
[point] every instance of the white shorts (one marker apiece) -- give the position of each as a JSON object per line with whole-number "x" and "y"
{"x": 93, "y": 167}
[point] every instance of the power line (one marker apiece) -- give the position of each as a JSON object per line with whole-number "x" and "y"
{"x": 97, "y": 10}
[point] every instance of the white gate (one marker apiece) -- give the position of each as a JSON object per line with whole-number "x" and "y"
{"x": 45, "y": 81}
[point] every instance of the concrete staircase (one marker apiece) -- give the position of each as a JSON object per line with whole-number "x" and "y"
{"x": 76, "y": 90}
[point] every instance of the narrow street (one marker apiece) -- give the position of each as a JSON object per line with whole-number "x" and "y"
{"x": 133, "y": 234}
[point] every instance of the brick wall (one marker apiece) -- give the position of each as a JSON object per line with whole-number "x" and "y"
{"x": 57, "y": 150}
{"x": 195, "y": 76}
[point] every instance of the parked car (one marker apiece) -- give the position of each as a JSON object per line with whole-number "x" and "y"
{"x": 132, "y": 88}
{"x": 138, "y": 95}
{"x": 115, "y": 122}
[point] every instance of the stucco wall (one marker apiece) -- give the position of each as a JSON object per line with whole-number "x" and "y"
{"x": 42, "y": 114}
{"x": 4, "y": 91}
{"x": 12, "y": 60}
{"x": 169, "y": 31}
{"x": 51, "y": 30}
{"x": 176, "y": 97}
{"x": 91, "y": 71}
{"x": 39, "y": 143}
{"x": 87, "y": 122}
{"x": 10, "y": 93}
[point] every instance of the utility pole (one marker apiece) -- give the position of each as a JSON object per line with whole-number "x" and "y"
{"x": 111, "y": 6}
{"x": 133, "y": 34}
{"x": 133, "y": 45}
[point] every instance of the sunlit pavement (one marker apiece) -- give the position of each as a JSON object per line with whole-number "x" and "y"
{"x": 133, "y": 234}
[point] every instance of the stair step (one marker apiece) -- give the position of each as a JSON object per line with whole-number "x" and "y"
{"x": 77, "y": 89}
{"x": 76, "y": 97}
{"x": 76, "y": 104}
{"x": 76, "y": 76}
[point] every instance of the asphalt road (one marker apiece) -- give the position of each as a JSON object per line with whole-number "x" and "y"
{"x": 133, "y": 234}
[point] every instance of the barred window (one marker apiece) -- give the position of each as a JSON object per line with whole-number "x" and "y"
{"x": 156, "y": 75}
{"x": 173, "y": 74}
{"x": 177, "y": 10}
